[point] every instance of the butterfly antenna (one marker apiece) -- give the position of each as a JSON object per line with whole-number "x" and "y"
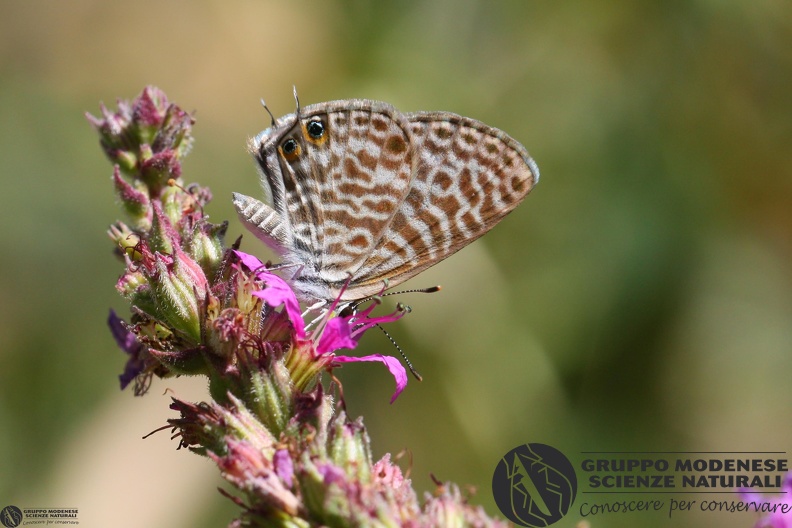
{"x": 403, "y": 355}
{"x": 430, "y": 289}
{"x": 296, "y": 101}
{"x": 353, "y": 306}
{"x": 268, "y": 111}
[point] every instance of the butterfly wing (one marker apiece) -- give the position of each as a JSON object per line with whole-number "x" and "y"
{"x": 466, "y": 176}
{"x": 261, "y": 220}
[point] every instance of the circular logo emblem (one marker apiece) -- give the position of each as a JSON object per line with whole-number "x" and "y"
{"x": 534, "y": 485}
{"x": 10, "y": 516}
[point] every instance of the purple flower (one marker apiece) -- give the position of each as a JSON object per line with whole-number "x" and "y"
{"x": 128, "y": 343}
{"x": 394, "y": 367}
{"x": 245, "y": 466}
{"x": 284, "y": 467}
{"x": 331, "y": 333}
{"x": 781, "y": 507}
{"x": 332, "y": 474}
{"x": 287, "y": 448}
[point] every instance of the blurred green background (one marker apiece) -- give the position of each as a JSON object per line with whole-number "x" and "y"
{"x": 640, "y": 299}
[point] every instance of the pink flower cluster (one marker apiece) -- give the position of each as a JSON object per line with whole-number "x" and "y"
{"x": 333, "y": 332}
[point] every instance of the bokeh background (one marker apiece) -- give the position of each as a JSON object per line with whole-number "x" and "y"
{"x": 640, "y": 299}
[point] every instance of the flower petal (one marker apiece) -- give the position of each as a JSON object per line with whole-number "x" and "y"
{"x": 129, "y": 343}
{"x": 125, "y": 339}
{"x": 394, "y": 366}
{"x": 362, "y": 322}
{"x": 331, "y": 474}
{"x": 276, "y": 293}
{"x": 250, "y": 261}
{"x": 284, "y": 467}
{"x": 336, "y": 335}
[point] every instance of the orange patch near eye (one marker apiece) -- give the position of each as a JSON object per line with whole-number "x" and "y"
{"x": 293, "y": 155}
{"x": 316, "y": 141}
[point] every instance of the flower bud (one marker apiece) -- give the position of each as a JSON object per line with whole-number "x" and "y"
{"x": 179, "y": 287}
{"x": 118, "y": 144}
{"x": 207, "y": 246}
{"x": 348, "y": 446}
{"x": 157, "y": 168}
{"x": 148, "y": 113}
{"x": 163, "y": 237}
{"x": 135, "y": 201}
{"x": 134, "y": 286}
{"x": 126, "y": 241}
{"x": 172, "y": 198}
{"x": 145, "y": 138}
{"x": 183, "y": 361}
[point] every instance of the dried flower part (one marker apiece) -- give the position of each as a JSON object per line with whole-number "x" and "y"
{"x": 314, "y": 474}
{"x": 199, "y": 308}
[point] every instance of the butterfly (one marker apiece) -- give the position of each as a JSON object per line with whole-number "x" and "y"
{"x": 360, "y": 197}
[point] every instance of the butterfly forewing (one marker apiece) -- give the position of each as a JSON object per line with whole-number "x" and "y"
{"x": 355, "y": 176}
{"x": 466, "y": 178}
{"x": 365, "y": 196}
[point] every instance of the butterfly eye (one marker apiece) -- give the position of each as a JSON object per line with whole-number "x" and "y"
{"x": 290, "y": 148}
{"x": 316, "y": 129}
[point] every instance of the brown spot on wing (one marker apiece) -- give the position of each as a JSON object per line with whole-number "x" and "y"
{"x": 396, "y": 144}
{"x": 443, "y": 180}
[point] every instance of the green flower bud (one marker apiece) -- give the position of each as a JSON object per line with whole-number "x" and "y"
{"x": 126, "y": 240}
{"x": 163, "y": 237}
{"x": 135, "y": 201}
{"x": 146, "y": 138}
{"x": 179, "y": 287}
{"x": 207, "y": 247}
